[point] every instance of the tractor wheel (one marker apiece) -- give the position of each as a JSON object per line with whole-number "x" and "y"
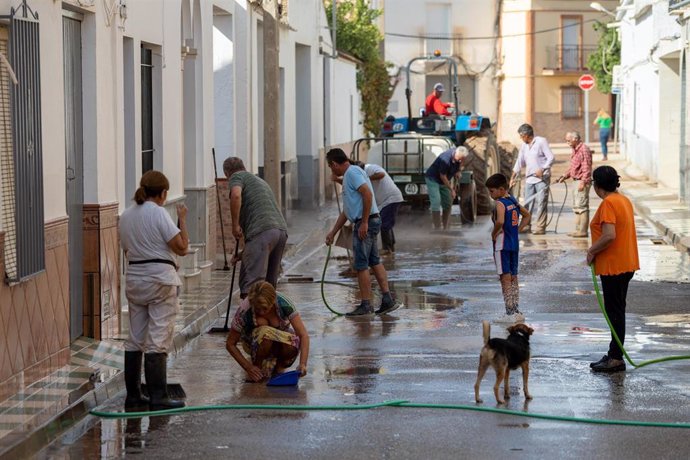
{"x": 468, "y": 203}
{"x": 508, "y": 154}
{"x": 484, "y": 163}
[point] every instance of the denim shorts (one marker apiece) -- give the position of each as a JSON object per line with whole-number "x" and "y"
{"x": 366, "y": 251}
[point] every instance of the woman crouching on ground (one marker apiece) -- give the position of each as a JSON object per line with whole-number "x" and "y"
{"x": 262, "y": 324}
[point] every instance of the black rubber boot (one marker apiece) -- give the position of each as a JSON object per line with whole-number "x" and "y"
{"x": 133, "y": 380}
{"x": 156, "y": 369}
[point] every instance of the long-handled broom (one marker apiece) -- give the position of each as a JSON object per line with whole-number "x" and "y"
{"x": 224, "y": 329}
{"x": 220, "y": 212}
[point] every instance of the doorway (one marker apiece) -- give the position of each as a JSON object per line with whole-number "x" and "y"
{"x": 74, "y": 151}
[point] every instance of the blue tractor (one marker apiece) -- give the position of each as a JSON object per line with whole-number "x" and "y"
{"x": 469, "y": 129}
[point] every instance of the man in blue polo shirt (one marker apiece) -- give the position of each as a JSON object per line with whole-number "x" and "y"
{"x": 441, "y": 193}
{"x": 359, "y": 207}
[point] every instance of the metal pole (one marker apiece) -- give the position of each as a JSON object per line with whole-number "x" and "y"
{"x": 616, "y": 146}
{"x": 586, "y": 117}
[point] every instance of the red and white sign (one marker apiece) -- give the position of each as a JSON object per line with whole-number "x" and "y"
{"x": 586, "y": 82}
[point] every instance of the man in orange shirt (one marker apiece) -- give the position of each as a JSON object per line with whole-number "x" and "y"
{"x": 434, "y": 105}
{"x": 615, "y": 257}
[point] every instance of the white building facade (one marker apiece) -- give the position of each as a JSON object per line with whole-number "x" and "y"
{"x": 654, "y": 100}
{"x": 93, "y": 94}
{"x": 415, "y": 28}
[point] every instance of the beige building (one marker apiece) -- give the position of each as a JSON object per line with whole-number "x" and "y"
{"x": 544, "y": 50}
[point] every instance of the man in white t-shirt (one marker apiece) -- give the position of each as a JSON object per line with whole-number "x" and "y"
{"x": 388, "y": 199}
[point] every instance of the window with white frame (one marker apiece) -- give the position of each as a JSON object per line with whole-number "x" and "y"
{"x": 438, "y": 29}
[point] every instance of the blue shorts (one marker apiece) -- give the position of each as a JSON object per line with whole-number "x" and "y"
{"x": 506, "y": 262}
{"x": 366, "y": 251}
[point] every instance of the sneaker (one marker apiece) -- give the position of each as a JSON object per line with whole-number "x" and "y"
{"x": 361, "y": 310}
{"x": 539, "y": 232}
{"x": 610, "y": 365}
{"x": 602, "y": 360}
{"x": 388, "y": 307}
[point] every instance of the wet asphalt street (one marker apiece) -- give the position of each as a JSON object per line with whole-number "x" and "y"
{"x": 427, "y": 352}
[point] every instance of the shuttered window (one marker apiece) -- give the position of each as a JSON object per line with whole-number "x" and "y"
{"x": 147, "y": 149}
{"x": 571, "y": 102}
{"x": 7, "y": 188}
{"x": 22, "y": 148}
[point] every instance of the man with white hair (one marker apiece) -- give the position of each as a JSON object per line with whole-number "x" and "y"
{"x": 536, "y": 157}
{"x": 580, "y": 170}
{"x": 441, "y": 192}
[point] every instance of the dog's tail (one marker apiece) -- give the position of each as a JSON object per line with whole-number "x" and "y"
{"x": 486, "y": 330}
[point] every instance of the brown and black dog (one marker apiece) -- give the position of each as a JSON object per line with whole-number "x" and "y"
{"x": 504, "y": 355}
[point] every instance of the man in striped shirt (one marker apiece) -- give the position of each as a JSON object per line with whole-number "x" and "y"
{"x": 580, "y": 171}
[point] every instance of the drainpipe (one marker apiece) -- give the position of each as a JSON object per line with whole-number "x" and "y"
{"x": 334, "y": 28}
{"x": 332, "y": 55}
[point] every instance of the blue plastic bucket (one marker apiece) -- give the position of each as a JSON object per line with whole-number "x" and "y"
{"x": 285, "y": 379}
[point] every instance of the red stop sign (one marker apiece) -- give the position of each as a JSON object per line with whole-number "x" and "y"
{"x": 586, "y": 82}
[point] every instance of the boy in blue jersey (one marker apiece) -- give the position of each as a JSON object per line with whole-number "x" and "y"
{"x": 507, "y": 225}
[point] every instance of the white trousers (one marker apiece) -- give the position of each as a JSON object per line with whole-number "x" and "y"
{"x": 152, "y": 311}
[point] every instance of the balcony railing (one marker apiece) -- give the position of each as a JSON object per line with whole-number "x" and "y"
{"x": 568, "y": 58}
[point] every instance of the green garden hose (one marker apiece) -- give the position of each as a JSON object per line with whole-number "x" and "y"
{"x": 407, "y": 404}
{"x": 618, "y": 340}
{"x": 393, "y": 403}
{"x": 323, "y": 277}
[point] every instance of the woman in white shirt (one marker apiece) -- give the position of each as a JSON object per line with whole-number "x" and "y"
{"x": 150, "y": 241}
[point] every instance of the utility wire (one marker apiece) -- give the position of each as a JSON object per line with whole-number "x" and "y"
{"x": 490, "y": 37}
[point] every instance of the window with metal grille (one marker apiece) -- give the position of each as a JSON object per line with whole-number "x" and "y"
{"x": 571, "y": 102}
{"x": 146, "y": 110}
{"x": 21, "y": 155}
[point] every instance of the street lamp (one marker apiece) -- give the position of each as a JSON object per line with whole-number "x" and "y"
{"x": 599, "y": 7}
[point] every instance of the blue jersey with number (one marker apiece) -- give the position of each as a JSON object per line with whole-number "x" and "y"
{"x": 507, "y": 240}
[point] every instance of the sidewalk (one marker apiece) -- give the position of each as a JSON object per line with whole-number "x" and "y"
{"x": 656, "y": 203}
{"x": 31, "y": 419}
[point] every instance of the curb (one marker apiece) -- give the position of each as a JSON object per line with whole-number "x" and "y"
{"x": 679, "y": 241}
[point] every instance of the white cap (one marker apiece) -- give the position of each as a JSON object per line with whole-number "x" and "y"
{"x": 439, "y": 87}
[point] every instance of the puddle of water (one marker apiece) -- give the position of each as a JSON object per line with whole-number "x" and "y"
{"x": 355, "y": 370}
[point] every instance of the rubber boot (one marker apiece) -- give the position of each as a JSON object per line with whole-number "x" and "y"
{"x": 156, "y": 368}
{"x": 584, "y": 227}
{"x": 581, "y": 224}
{"x": 133, "y": 380}
{"x": 446, "y": 219}
{"x": 436, "y": 219}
